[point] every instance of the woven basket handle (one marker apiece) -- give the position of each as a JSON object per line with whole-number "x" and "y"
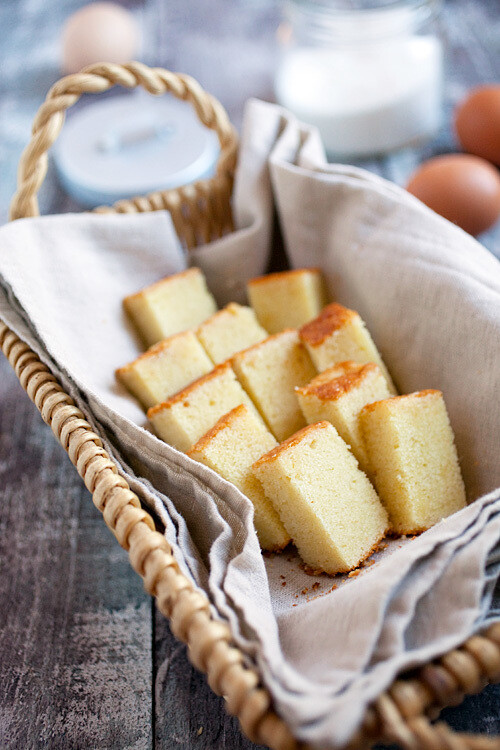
{"x": 96, "y": 79}
{"x": 420, "y": 734}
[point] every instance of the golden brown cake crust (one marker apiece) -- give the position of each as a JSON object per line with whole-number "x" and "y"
{"x": 259, "y": 344}
{"x": 420, "y": 394}
{"x": 356, "y": 570}
{"x": 328, "y": 388}
{"x": 395, "y": 399}
{"x": 330, "y": 319}
{"x": 359, "y": 567}
{"x": 187, "y": 272}
{"x": 223, "y": 422}
{"x": 282, "y": 275}
{"x": 230, "y": 308}
{"x": 186, "y": 392}
{"x": 294, "y": 439}
{"x": 151, "y": 352}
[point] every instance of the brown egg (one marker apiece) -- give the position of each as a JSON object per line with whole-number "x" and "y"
{"x": 477, "y": 122}
{"x": 464, "y": 189}
{"x": 99, "y": 32}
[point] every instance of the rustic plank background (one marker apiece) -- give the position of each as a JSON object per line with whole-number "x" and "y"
{"x": 86, "y": 660}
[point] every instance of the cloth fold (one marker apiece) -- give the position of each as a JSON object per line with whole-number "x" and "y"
{"x": 431, "y": 297}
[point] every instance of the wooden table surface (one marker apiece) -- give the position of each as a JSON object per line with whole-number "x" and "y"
{"x": 85, "y": 658}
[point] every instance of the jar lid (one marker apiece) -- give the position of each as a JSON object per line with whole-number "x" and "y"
{"x": 130, "y": 145}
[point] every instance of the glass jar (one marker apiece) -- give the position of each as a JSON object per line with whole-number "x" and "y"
{"x": 367, "y": 73}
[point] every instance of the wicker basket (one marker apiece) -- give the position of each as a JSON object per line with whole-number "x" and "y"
{"x": 202, "y": 212}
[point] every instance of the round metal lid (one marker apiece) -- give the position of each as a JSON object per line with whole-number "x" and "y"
{"x": 131, "y": 145}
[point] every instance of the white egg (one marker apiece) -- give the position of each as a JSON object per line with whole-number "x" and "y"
{"x": 99, "y": 32}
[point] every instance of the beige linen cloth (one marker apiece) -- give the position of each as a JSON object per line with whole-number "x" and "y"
{"x": 431, "y": 296}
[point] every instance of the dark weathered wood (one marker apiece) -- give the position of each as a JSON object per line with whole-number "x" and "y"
{"x": 75, "y": 622}
{"x": 188, "y": 714}
{"x": 477, "y": 714}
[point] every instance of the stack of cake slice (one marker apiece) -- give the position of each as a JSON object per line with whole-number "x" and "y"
{"x": 193, "y": 336}
{"x": 228, "y": 331}
{"x": 174, "y": 304}
{"x": 339, "y": 334}
{"x": 270, "y": 372}
{"x": 184, "y": 418}
{"x": 338, "y": 395}
{"x": 165, "y": 368}
{"x": 230, "y": 448}
{"x": 326, "y": 503}
{"x": 287, "y": 299}
{"x": 301, "y": 446}
{"x": 413, "y": 459}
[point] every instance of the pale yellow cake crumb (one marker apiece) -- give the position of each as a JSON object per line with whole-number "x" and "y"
{"x": 165, "y": 368}
{"x": 413, "y": 458}
{"x": 185, "y": 417}
{"x": 230, "y": 330}
{"x": 174, "y": 304}
{"x": 230, "y": 448}
{"x": 338, "y": 395}
{"x": 269, "y": 372}
{"x": 287, "y": 299}
{"x": 339, "y": 334}
{"x": 325, "y": 501}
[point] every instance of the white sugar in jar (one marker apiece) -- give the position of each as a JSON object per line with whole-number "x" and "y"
{"x": 367, "y": 73}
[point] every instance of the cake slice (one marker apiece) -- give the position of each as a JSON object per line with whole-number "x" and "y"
{"x": 165, "y": 368}
{"x": 230, "y": 448}
{"x": 186, "y": 416}
{"x": 270, "y": 372}
{"x": 229, "y": 331}
{"x": 287, "y": 299}
{"x": 338, "y": 395}
{"x": 170, "y": 306}
{"x": 326, "y": 503}
{"x": 413, "y": 458}
{"x": 338, "y": 334}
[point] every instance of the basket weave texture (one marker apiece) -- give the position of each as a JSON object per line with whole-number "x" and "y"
{"x": 202, "y": 212}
